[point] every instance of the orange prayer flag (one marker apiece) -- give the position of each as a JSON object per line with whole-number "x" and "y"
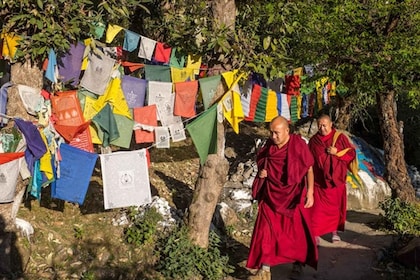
{"x": 185, "y": 98}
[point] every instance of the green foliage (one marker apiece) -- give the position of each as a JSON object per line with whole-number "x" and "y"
{"x": 78, "y": 232}
{"x": 143, "y": 228}
{"x": 369, "y": 46}
{"x": 401, "y": 217}
{"x": 257, "y": 43}
{"x": 180, "y": 259}
{"x": 57, "y": 24}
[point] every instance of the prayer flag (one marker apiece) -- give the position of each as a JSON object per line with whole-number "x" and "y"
{"x": 98, "y": 73}
{"x": 185, "y": 98}
{"x": 51, "y": 71}
{"x": 194, "y": 62}
{"x": 271, "y": 109}
{"x": 246, "y": 97}
{"x": 70, "y": 64}
{"x": 162, "y": 52}
{"x": 125, "y": 179}
{"x": 125, "y": 129}
{"x": 160, "y": 73}
{"x": 255, "y": 96}
{"x": 233, "y": 108}
{"x": 9, "y": 172}
{"x": 31, "y": 98}
{"x": 111, "y": 32}
{"x": 134, "y": 90}
{"x": 147, "y": 116}
{"x": 261, "y": 106}
{"x": 76, "y": 167}
{"x": 182, "y": 74}
{"x": 147, "y": 47}
{"x": 131, "y": 40}
{"x": 106, "y": 124}
{"x": 114, "y": 95}
{"x": 162, "y": 137}
{"x": 208, "y": 88}
{"x": 203, "y": 132}
{"x": 68, "y": 112}
{"x": 177, "y": 59}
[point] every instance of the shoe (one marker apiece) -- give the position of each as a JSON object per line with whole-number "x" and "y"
{"x": 297, "y": 271}
{"x": 335, "y": 237}
{"x": 262, "y": 274}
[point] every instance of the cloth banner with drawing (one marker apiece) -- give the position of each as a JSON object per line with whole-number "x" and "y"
{"x": 125, "y": 179}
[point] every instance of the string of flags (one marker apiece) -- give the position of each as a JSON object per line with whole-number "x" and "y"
{"x": 110, "y": 103}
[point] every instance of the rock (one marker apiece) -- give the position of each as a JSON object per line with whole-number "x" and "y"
{"x": 410, "y": 254}
{"x": 224, "y": 216}
{"x": 369, "y": 195}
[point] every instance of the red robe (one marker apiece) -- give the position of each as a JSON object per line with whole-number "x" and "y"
{"x": 282, "y": 232}
{"x": 330, "y": 171}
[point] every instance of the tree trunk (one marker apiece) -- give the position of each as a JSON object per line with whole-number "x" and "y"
{"x": 343, "y": 116}
{"x": 396, "y": 173}
{"x": 213, "y": 174}
{"x": 209, "y": 186}
{"x": 21, "y": 74}
{"x": 212, "y": 177}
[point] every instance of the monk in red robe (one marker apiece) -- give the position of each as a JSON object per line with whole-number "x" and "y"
{"x": 282, "y": 233}
{"x": 330, "y": 171}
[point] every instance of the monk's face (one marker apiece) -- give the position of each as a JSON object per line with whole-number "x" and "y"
{"x": 279, "y": 132}
{"x": 324, "y": 126}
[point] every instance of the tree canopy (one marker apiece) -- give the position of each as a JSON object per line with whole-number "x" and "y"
{"x": 368, "y": 46}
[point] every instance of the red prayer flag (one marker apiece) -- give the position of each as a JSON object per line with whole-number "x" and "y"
{"x": 162, "y": 52}
{"x": 255, "y": 96}
{"x": 146, "y": 115}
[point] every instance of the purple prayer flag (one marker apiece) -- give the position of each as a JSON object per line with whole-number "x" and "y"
{"x": 134, "y": 91}
{"x": 70, "y": 64}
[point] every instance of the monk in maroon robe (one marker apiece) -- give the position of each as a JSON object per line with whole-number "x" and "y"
{"x": 282, "y": 232}
{"x": 330, "y": 171}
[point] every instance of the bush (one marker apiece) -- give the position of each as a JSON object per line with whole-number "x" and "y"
{"x": 143, "y": 227}
{"x": 180, "y": 259}
{"x": 401, "y": 217}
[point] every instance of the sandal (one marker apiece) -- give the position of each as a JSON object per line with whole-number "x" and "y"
{"x": 335, "y": 238}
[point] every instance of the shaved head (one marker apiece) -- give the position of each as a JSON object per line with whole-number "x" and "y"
{"x": 279, "y": 131}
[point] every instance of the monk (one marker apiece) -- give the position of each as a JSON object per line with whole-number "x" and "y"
{"x": 282, "y": 232}
{"x": 330, "y": 171}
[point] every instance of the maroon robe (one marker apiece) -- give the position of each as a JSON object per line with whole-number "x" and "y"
{"x": 330, "y": 172}
{"x": 282, "y": 231}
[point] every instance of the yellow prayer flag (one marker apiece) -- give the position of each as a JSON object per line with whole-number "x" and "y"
{"x": 182, "y": 75}
{"x": 111, "y": 32}
{"x": 194, "y": 62}
{"x": 232, "y": 108}
{"x": 114, "y": 95}
{"x": 271, "y": 106}
{"x": 10, "y": 43}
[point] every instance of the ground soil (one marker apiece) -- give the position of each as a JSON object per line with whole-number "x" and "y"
{"x": 82, "y": 241}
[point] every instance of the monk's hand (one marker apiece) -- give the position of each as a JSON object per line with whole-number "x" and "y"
{"x": 332, "y": 150}
{"x": 262, "y": 173}
{"x": 309, "y": 200}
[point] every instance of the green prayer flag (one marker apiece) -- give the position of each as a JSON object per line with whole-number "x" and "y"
{"x": 203, "y": 132}
{"x": 159, "y": 73}
{"x": 107, "y": 125}
{"x": 293, "y": 109}
{"x": 261, "y": 106}
{"x": 208, "y": 88}
{"x": 125, "y": 129}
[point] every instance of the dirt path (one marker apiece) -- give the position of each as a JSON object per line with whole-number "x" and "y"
{"x": 353, "y": 258}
